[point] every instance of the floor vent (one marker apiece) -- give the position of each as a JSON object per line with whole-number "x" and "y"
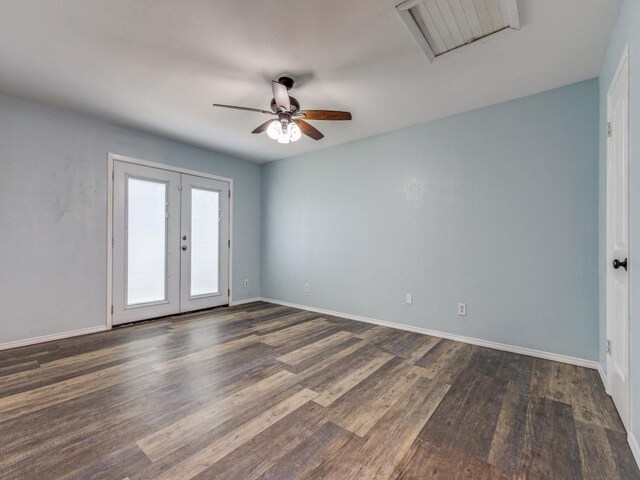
{"x": 440, "y": 26}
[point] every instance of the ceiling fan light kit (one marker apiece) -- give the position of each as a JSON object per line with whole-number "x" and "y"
{"x": 284, "y": 134}
{"x": 290, "y": 124}
{"x": 284, "y": 130}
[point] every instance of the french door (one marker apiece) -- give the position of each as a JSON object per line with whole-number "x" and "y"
{"x": 170, "y": 242}
{"x": 204, "y": 243}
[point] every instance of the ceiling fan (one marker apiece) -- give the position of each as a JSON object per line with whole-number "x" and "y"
{"x": 290, "y": 124}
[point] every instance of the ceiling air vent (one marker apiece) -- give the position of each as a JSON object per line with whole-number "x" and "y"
{"x": 440, "y": 26}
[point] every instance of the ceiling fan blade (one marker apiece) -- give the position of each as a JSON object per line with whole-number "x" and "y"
{"x": 247, "y": 109}
{"x": 309, "y": 130}
{"x": 262, "y": 127}
{"x": 325, "y": 115}
{"x": 281, "y": 95}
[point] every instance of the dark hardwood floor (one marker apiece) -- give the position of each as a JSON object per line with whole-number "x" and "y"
{"x": 267, "y": 392}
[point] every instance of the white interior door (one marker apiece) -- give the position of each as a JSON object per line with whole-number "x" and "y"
{"x": 170, "y": 242}
{"x": 618, "y": 241}
{"x": 146, "y": 236}
{"x": 204, "y": 243}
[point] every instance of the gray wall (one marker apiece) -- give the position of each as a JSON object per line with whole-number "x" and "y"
{"x": 53, "y": 213}
{"x": 497, "y": 208}
{"x": 626, "y": 31}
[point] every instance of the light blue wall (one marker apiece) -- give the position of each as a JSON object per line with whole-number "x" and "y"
{"x": 497, "y": 208}
{"x": 627, "y": 30}
{"x": 53, "y": 213}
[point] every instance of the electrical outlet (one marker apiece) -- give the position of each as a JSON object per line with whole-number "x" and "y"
{"x": 246, "y": 282}
{"x": 462, "y": 309}
{"x": 306, "y": 288}
{"x": 409, "y": 298}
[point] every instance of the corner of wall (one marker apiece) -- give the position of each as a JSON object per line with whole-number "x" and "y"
{"x": 635, "y": 447}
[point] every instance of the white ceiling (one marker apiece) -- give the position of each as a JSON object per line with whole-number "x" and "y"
{"x": 160, "y": 64}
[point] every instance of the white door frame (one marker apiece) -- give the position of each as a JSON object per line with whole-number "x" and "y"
{"x": 609, "y": 274}
{"x": 136, "y": 161}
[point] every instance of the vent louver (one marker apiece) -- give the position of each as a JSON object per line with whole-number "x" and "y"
{"x": 440, "y": 26}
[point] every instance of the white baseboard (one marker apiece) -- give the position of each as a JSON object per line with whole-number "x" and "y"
{"x": 450, "y": 336}
{"x": 49, "y": 338}
{"x": 246, "y": 300}
{"x": 635, "y": 448}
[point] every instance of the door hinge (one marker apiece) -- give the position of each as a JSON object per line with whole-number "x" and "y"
{"x": 229, "y": 193}
{"x": 229, "y": 243}
{"x": 608, "y": 345}
{"x": 111, "y": 309}
{"x": 229, "y": 291}
{"x": 609, "y": 130}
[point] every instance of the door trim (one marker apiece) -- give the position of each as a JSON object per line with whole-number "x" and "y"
{"x": 609, "y": 276}
{"x": 111, "y": 157}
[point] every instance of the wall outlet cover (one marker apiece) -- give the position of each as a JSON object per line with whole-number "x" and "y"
{"x": 409, "y": 298}
{"x": 462, "y": 309}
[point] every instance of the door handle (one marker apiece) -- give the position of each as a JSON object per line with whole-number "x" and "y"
{"x": 184, "y": 247}
{"x": 617, "y": 264}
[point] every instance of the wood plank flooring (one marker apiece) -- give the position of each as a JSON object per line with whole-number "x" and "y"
{"x": 261, "y": 391}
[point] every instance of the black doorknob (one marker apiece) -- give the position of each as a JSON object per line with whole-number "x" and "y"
{"x": 617, "y": 264}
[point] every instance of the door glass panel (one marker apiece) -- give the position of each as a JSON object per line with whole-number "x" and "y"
{"x": 204, "y": 241}
{"x": 146, "y": 241}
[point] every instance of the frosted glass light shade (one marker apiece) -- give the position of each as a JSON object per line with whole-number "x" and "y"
{"x": 274, "y": 130}
{"x": 294, "y": 132}
{"x": 284, "y": 137}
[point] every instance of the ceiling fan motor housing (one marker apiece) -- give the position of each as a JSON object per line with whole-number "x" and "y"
{"x": 295, "y": 106}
